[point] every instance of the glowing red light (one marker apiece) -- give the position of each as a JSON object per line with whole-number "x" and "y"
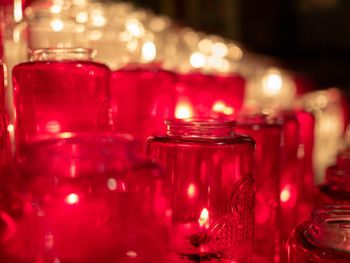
{"x": 191, "y": 191}
{"x": 285, "y": 194}
{"x": 72, "y": 199}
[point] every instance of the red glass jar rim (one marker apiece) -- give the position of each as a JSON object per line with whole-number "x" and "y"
{"x": 331, "y": 227}
{"x": 201, "y": 123}
{"x": 59, "y": 54}
{"x": 200, "y": 128}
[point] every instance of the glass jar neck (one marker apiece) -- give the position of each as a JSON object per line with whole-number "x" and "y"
{"x": 338, "y": 179}
{"x": 61, "y": 54}
{"x": 200, "y": 128}
{"x": 331, "y": 227}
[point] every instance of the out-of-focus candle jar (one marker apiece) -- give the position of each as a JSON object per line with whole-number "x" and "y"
{"x": 84, "y": 198}
{"x": 305, "y": 155}
{"x": 210, "y": 169}
{"x": 209, "y": 96}
{"x": 4, "y": 142}
{"x": 268, "y": 135}
{"x": 324, "y": 239}
{"x": 291, "y": 178}
{"x": 61, "y": 90}
{"x": 336, "y": 189}
{"x": 142, "y": 98}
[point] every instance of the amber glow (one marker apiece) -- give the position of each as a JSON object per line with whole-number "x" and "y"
{"x": 149, "y": 51}
{"x": 204, "y": 218}
{"x": 134, "y": 27}
{"x": 55, "y": 9}
{"x": 220, "y": 107}
{"x": 285, "y": 194}
{"x": 72, "y": 199}
{"x": 10, "y": 128}
{"x": 272, "y": 83}
{"x": 56, "y": 24}
{"x": 191, "y": 191}
{"x": 183, "y": 111}
{"x": 197, "y": 60}
{"x": 53, "y": 127}
{"x": 18, "y": 14}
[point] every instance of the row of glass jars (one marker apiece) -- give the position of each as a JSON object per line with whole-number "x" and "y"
{"x": 208, "y": 168}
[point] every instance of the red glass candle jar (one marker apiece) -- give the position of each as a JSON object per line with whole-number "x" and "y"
{"x": 336, "y": 190}
{"x": 4, "y": 142}
{"x": 62, "y": 90}
{"x": 343, "y": 160}
{"x": 324, "y": 239}
{"x": 305, "y": 154}
{"x": 210, "y": 169}
{"x": 291, "y": 178}
{"x": 142, "y": 99}
{"x": 268, "y": 135}
{"x": 209, "y": 96}
{"x": 84, "y": 198}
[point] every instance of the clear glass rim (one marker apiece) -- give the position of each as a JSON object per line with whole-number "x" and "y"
{"x": 45, "y": 53}
{"x": 331, "y": 227}
{"x": 199, "y": 123}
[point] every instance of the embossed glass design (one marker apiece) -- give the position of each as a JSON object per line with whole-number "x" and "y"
{"x": 84, "y": 198}
{"x": 268, "y": 137}
{"x": 210, "y": 170}
{"x": 61, "y": 90}
{"x": 142, "y": 99}
{"x": 324, "y": 239}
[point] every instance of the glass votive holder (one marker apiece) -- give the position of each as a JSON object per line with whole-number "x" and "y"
{"x": 142, "y": 98}
{"x": 324, "y": 239}
{"x": 84, "y": 198}
{"x": 209, "y": 96}
{"x": 61, "y": 90}
{"x": 210, "y": 170}
{"x": 267, "y": 135}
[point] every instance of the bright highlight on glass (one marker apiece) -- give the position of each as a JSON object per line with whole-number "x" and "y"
{"x": 72, "y": 199}
{"x": 197, "y": 60}
{"x": 149, "y": 51}
{"x": 272, "y": 84}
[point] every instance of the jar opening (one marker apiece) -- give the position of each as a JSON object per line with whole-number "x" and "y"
{"x": 206, "y": 128}
{"x": 61, "y": 54}
{"x": 331, "y": 227}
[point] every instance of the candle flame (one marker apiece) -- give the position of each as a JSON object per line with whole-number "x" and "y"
{"x": 191, "y": 191}
{"x": 72, "y": 199}
{"x": 149, "y": 51}
{"x": 204, "y": 219}
{"x": 183, "y": 111}
{"x": 272, "y": 83}
{"x": 17, "y": 10}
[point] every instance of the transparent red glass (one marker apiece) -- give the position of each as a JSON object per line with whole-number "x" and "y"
{"x": 336, "y": 190}
{"x": 209, "y": 96}
{"x": 84, "y": 198}
{"x": 142, "y": 99}
{"x": 267, "y": 135}
{"x": 4, "y": 140}
{"x": 210, "y": 169}
{"x": 343, "y": 160}
{"x": 291, "y": 178}
{"x": 305, "y": 155}
{"x": 324, "y": 239}
{"x": 62, "y": 90}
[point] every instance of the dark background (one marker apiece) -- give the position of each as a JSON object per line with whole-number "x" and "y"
{"x": 310, "y": 36}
